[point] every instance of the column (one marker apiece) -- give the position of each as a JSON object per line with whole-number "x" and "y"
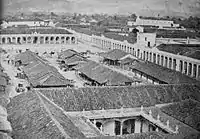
{"x": 177, "y": 65}
{"x": 183, "y": 66}
{"x": 160, "y": 60}
{"x": 197, "y": 75}
{"x": 137, "y": 126}
{"x": 121, "y": 127}
{"x": 192, "y": 72}
{"x": 188, "y": 67}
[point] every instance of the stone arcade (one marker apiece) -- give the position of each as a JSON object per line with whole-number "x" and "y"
{"x": 186, "y": 65}
{"x": 37, "y": 38}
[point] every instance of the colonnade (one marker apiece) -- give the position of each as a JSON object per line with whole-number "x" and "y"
{"x": 38, "y": 39}
{"x": 123, "y": 126}
{"x": 183, "y": 64}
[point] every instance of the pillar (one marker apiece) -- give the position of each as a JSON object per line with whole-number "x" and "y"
{"x": 121, "y": 128}
{"x": 192, "y": 72}
{"x": 188, "y": 68}
{"x": 137, "y": 126}
{"x": 197, "y": 75}
{"x": 177, "y": 65}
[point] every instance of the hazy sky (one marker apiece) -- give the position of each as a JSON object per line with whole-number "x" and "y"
{"x": 97, "y": 6}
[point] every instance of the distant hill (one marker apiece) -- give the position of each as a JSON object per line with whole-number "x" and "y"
{"x": 142, "y": 7}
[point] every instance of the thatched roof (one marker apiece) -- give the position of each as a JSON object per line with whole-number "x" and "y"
{"x": 116, "y": 97}
{"x": 102, "y": 74}
{"x": 161, "y": 73}
{"x": 114, "y": 54}
{"x": 32, "y": 115}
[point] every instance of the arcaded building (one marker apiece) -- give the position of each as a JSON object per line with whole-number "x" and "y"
{"x": 36, "y": 35}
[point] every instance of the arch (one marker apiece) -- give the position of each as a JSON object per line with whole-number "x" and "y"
{"x": 29, "y": 40}
{"x": 3, "y": 40}
{"x": 24, "y": 39}
{"x": 190, "y": 69}
{"x": 62, "y": 40}
{"x": 181, "y": 66}
{"x": 174, "y": 64}
{"x": 166, "y": 62}
{"x": 185, "y": 67}
{"x": 9, "y": 40}
{"x": 18, "y": 40}
{"x": 138, "y": 53}
{"x": 158, "y": 59}
{"x": 35, "y": 39}
{"x": 41, "y": 40}
{"x": 46, "y": 39}
{"x": 195, "y": 70}
{"x": 128, "y": 126}
{"x": 170, "y": 63}
{"x": 67, "y": 39}
{"x": 117, "y": 127}
{"x": 154, "y": 57}
{"x": 57, "y": 40}
{"x": 98, "y": 125}
{"x": 162, "y": 61}
{"x": 13, "y": 39}
{"x": 73, "y": 40}
{"x": 51, "y": 39}
{"x": 150, "y": 56}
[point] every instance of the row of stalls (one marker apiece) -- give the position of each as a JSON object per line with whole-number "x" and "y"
{"x": 98, "y": 75}
{"x": 38, "y": 71}
{"x": 118, "y": 58}
{"x": 5, "y": 126}
{"x": 146, "y": 71}
{"x": 70, "y": 59}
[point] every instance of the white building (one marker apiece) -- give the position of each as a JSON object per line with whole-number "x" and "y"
{"x": 152, "y": 22}
{"x": 27, "y": 22}
{"x": 146, "y": 39}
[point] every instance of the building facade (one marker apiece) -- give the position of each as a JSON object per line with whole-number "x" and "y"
{"x": 186, "y": 65}
{"x": 37, "y": 38}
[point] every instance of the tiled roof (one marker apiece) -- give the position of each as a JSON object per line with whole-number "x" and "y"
{"x": 114, "y": 54}
{"x": 33, "y": 116}
{"x": 67, "y": 53}
{"x": 180, "y": 49}
{"x": 40, "y": 74}
{"x": 115, "y": 97}
{"x": 161, "y": 73}
{"x": 25, "y": 30}
{"x": 75, "y": 59}
{"x": 101, "y": 74}
{"x": 187, "y": 111}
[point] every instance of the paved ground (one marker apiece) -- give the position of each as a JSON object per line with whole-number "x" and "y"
{"x": 11, "y": 72}
{"x": 81, "y": 47}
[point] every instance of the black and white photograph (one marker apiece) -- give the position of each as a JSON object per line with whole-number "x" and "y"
{"x": 100, "y": 69}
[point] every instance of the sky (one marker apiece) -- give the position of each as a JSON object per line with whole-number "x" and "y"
{"x": 150, "y": 7}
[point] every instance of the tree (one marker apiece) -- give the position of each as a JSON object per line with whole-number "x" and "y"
{"x": 133, "y": 16}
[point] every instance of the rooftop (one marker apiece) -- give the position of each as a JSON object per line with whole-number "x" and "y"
{"x": 30, "y": 30}
{"x": 50, "y": 112}
{"x": 101, "y": 74}
{"x": 161, "y": 73}
{"x": 189, "y": 50}
{"x": 114, "y": 54}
